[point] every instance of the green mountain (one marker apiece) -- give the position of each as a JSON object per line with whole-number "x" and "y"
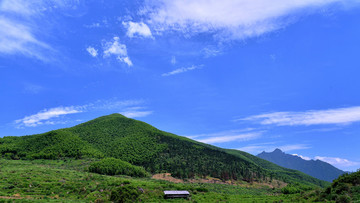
{"x": 136, "y": 142}
{"x": 317, "y": 169}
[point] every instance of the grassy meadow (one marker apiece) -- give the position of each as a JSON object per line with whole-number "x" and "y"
{"x": 68, "y": 181}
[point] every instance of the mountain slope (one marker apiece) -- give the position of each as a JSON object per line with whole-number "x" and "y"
{"x": 317, "y": 169}
{"x": 276, "y": 169}
{"x": 346, "y": 188}
{"x": 141, "y": 144}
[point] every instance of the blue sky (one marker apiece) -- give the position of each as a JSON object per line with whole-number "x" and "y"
{"x": 252, "y": 75}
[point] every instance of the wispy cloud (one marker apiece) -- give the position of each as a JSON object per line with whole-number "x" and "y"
{"x": 32, "y": 88}
{"x": 93, "y": 25}
{"x": 226, "y": 136}
{"x": 293, "y": 147}
{"x": 22, "y": 26}
{"x": 137, "y": 29}
{"x": 92, "y": 51}
{"x": 21, "y": 7}
{"x": 44, "y": 116}
{"x": 228, "y": 19}
{"x": 18, "y": 37}
{"x": 335, "y": 161}
{"x": 313, "y": 117}
{"x": 211, "y": 52}
{"x": 230, "y": 138}
{"x": 113, "y": 104}
{"x": 173, "y": 60}
{"x": 182, "y": 70}
{"x": 129, "y": 108}
{"x": 117, "y": 49}
{"x": 338, "y": 162}
{"x": 303, "y": 157}
{"x": 257, "y": 148}
{"x": 136, "y": 112}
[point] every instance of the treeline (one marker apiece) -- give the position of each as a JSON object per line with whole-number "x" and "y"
{"x": 51, "y": 145}
{"x": 112, "y": 166}
{"x": 187, "y": 159}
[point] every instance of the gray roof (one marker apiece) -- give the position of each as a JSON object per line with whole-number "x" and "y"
{"x": 176, "y": 192}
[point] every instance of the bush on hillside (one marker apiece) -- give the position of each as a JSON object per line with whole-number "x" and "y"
{"x": 112, "y": 166}
{"x": 344, "y": 189}
{"x": 127, "y": 193}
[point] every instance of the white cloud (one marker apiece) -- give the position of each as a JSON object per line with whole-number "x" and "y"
{"x": 182, "y": 70}
{"x": 338, "y": 162}
{"x": 43, "y": 116}
{"x": 137, "y": 29}
{"x": 226, "y": 136}
{"x": 257, "y": 148}
{"x": 252, "y": 149}
{"x": 314, "y": 117}
{"x": 135, "y": 112}
{"x": 173, "y": 60}
{"x": 127, "y": 61}
{"x": 303, "y": 157}
{"x": 17, "y": 37}
{"x": 230, "y": 19}
{"x": 210, "y": 52}
{"x": 130, "y": 108}
{"x": 22, "y": 27}
{"x": 18, "y": 6}
{"x": 92, "y": 51}
{"x": 230, "y": 138}
{"x": 117, "y": 49}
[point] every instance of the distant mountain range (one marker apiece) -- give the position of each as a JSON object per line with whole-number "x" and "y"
{"x": 140, "y": 144}
{"x": 315, "y": 168}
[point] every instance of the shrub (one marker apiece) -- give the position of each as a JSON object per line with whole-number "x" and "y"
{"x": 112, "y": 166}
{"x": 202, "y": 189}
{"x": 127, "y": 193}
{"x": 290, "y": 190}
{"x": 343, "y": 199}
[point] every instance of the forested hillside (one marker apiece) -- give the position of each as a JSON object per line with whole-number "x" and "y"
{"x": 143, "y": 145}
{"x": 344, "y": 189}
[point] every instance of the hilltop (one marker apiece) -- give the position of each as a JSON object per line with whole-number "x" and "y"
{"x": 314, "y": 168}
{"x": 140, "y": 144}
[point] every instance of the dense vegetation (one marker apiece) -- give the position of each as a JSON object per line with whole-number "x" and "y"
{"x": 143, "y": 145}
{"x": 344, "y": 189}
{"x": 51, "y": 145}
{"x": 317, "y": 169}
{"x": 112, "y": 166}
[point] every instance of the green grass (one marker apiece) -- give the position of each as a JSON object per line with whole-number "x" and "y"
{"x": 67, "y": 180}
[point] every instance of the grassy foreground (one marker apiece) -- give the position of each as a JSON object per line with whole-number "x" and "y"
{"x": 68, "y": 181}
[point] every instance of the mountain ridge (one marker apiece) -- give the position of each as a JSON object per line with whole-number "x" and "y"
{"x": 315, "y": 168}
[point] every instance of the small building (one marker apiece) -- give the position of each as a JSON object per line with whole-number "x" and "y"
{"x": 176, "y": 194}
